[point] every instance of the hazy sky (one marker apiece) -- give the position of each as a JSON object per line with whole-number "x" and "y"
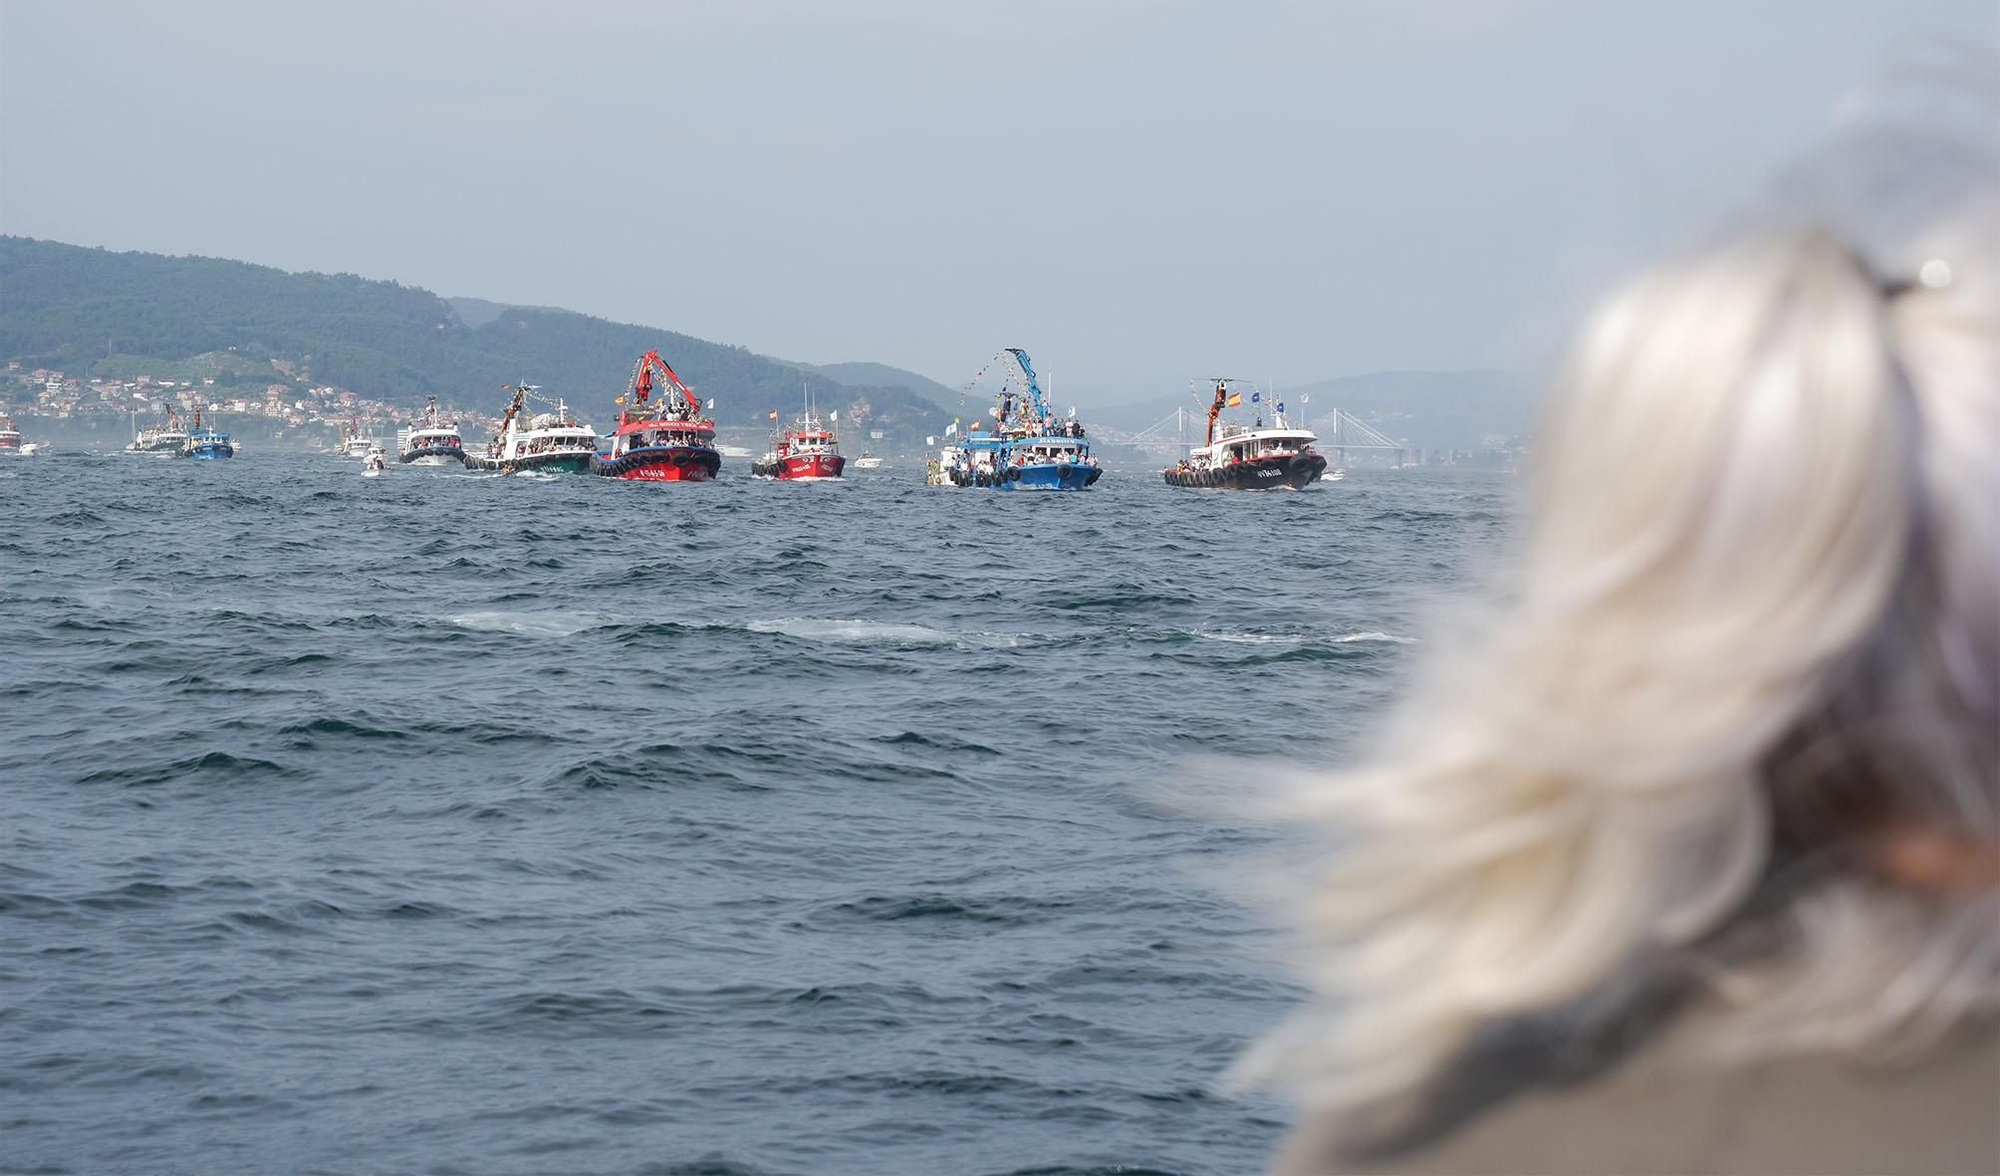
{"x": 1136, "y": 192}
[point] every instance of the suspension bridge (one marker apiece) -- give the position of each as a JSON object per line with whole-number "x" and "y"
{"x": 1338, "y": 431}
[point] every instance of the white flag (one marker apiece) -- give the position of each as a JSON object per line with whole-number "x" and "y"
{"x": 836, "y": 414}
{"x": 951, "y": 428}
{"x": 1072, "y": 412}
{"x": 711, "y": 402}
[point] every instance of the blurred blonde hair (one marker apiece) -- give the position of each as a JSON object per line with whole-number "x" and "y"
{"x": 1761, "y": 586}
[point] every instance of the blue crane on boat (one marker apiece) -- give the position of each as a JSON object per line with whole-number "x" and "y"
{"x": 1034, "y": 398}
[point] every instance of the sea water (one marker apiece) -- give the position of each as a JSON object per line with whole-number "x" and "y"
{"x": 453, "y": 823}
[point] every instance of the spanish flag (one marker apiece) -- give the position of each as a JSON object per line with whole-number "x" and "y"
{"x": 773, "y": 414}
{"x": 620, "y": 400}
{"x": 1235, "y": 398}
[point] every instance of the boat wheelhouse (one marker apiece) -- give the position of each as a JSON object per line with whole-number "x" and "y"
{"x": 1233, "y": 456}
{"x": 661, "y": 438}
{"x": 208, "y": 444}
{"x": 1028, "y": 447}
{"x": 806, "y": 450}
{"x": 549, "y": 442}
{"x": 430, "y": 440}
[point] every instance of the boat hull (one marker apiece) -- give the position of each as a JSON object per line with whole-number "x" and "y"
{"x": 1271, "y": 473}
{"x": 818, "y": 465}
{"x": 540, "y": 463}
{"x": 1050, "y": 476}
{"x": 441, "y": 455}
{"x": 676, "y": 463}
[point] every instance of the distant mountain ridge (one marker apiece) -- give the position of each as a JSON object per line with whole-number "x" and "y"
{"x": 70, "y": 307}
{"x": 881, "y": 375}
{"x": 477, "y": 312}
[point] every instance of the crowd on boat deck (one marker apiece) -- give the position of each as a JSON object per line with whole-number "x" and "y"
{"x": 1023, "y": 457}
{"x": 548, "y": 444}
{"x": 665, "y": 439}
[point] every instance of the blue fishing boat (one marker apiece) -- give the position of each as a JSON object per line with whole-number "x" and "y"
{"x": 206, "y": 444}
{"x": 1028, "y": 446}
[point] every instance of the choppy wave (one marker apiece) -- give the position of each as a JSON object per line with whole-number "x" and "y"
{"x": 529, "y": 624}
{"x": 857, "y": 632}
{"x": 548, "y": 825}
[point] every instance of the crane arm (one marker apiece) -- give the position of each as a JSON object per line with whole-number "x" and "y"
{"x": 1215, "y": 410}
{"x": 642, "y": 381}
{"x": 1035, "y": 399}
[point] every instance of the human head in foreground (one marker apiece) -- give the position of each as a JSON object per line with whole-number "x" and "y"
{"x": 1687, "y": 858}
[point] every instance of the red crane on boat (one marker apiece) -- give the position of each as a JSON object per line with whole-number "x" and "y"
{"x": 642, "y": 382}
{"x": 1215, "y": 409}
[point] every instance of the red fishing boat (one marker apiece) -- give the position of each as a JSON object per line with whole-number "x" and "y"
{"x": 663, "y": 437}
{"x": 807, "y": 449}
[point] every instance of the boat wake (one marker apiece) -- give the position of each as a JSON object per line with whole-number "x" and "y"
{"x": 1372, "y": 635}
{"x": 1247, "y": 638}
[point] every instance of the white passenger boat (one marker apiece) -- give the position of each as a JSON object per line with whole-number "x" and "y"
{"x": 549, "y": 442}
{"x": 431, "y": 440}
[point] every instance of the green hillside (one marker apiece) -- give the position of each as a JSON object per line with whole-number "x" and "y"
{"x": 94, "y": 312}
